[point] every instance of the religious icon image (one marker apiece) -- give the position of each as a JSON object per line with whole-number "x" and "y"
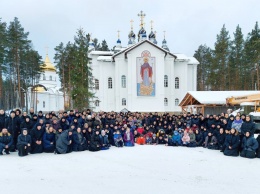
{"x": 145, "y": 74}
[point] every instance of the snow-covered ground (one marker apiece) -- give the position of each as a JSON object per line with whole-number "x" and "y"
{"x": 141, "y": 169}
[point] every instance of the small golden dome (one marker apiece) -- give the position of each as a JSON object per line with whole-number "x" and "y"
{"x": 39, "y": 89}
{"x": 48, "y": 65}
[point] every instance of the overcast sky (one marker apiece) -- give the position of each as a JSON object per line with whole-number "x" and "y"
{"x": 188, "y": 23}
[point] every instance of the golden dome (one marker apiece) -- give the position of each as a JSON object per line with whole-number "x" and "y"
{"x": 48, "y": 65}
{"x": 39, "y": 89}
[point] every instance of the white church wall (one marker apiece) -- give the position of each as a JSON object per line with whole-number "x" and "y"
{"x": 146, "y": 103}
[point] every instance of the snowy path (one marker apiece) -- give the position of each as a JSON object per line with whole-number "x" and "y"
{"x": 142, "y": 169}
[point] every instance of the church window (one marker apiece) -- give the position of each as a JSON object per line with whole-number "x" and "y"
{"x": 166, "y": 81}
{"x": 50, "y": 78}
{"x": 165, "y": 101}
{"x": 177, "y": 83}
{"x": 110, "y": 83}
{"x": 96, "y": 84}
{"x": 43, "y": 77}
{"x": 176, "y": 102}
{"x": 123, "y": 102}
{"x": 97, "y": 103}
{"x": 123, "y": 80}
{"x": 43, "y": 104}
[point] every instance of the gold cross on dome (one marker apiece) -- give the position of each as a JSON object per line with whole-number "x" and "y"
{"x": 118, "y": 34}
{"x": 131, "y": 21}
{"x": 141, "y": 15}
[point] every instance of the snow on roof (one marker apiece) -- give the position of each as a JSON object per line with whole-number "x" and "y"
{"x": 102, "y": 53}
{"x": 217, "y": 97}
{"x": 105, "y": 58}
{"x": 193, "y": 60}
{"x": 181, "y": 56}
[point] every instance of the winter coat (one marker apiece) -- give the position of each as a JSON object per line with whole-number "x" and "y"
{"x": 199, "y": 139}
{"x": 27, "y": 125}
{"x": 131, "y": 138}
{"x": 192, "y": 137}
{"x": 210, "y": 122}
{"x": 221, "y": 139}
{"x": 229, "y": 124}
{"x": 6, "y": 139}
{"x": 104, "y": 140}
{"x": 176, "y": 138}
{"x": 186, "y": 138}
{"x": 95, "y": 144}
{"x": 211, "y": 142}
{"x": 12, "y": 125}
{"x": 248, "y": 126}
{"x": 249, "y": 144}
{"x": 195, "y": 121}
{"x": 37, "y": 135}
{"x": 3, "y": 119}
{"x": 64, "y": 125}
{"x": 233, "y": 141}
{"x": 48, "y": 138}
{"x": 63, "y": 142}
{"x": 237, "y": 125}
{"x": 24, "y": 140}
{"x": 79, "y": 142}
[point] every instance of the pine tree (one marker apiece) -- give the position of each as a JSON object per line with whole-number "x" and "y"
{"x": 220, "y": 69}
{"x": 104, "y": 46}
{"x": 3, "y": 48}
{"x": 236, "y": 60}
{"x": 204, "y": 56}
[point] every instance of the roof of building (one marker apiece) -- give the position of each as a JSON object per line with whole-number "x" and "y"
{"x": 193, "y": 60}
{"x": 110, "y": 53}
{"x": 48, "y": 65}
{"x": 140, "y": 43}
{"x": 105, "y": 58}
{"x": 211, "y": 97}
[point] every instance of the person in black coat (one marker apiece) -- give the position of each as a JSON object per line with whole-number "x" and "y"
{"x": 199, "y": 138}
{"x": 13, "y": 127}
{"x": 248, "y": 125}
{"x": 79, "y": 142}
{"x": 229, "y": 122}
{"x": 258, "y": 150}
{"x": 37, "y": 135}
{"x": 232, "y": 143}
{"x": 3, "y": 119}
{"x": 24, "y": 143}
{"x": 27, "y": 124}
{"x": 95, "y": 143}
{"x": 249, "y": 146}
{"x": 49, "y": 140}
{"x": 64, "y": 142}
{"x": 104, "y": 141}
{"x": 64, "y": 124}
{"x": 6, "y": 141}
{"x": 221, "y": 139}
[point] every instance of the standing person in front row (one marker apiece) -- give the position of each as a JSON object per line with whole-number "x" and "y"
{"x": 24, "y": 143}
{"x": 6, "y": 141}
{"x": 249, "y": 146}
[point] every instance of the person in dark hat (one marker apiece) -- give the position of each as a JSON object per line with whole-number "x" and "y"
{"x": 37, "y": 135}
{"x": 249, "y": 146}
{"x": 27, "y": 124}
{"x": 232, "y": 143}
{"x": 13, "y": 127}
{"x": 95, "y": 142}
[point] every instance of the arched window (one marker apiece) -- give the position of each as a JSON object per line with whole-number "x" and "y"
{"x": 96, "y": 84}
{"x": 177, "y": 83}
{"x": 166, "y": 81}
{"x": 165, "y": 102}
{"x": 176, "y": 102}
{"x": 50, "y": 78}
{"x": 123, "y": 102}
{"x": 97, "y": 103}
{"x": 43, "y": 77}
{"x": 110, "y": 83}
{"x": 123, "y": 81}
{"x": 43, "y": 104}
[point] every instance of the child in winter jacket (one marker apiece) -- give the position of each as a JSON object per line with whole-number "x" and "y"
{"x": 176, "y": 138}
{"x": 140, "y": 140}
{"x": 185, "y": 139}
{"x": 154, "y": 140}
{"x": 118, "y": 139}
{"x": 192, "y": 139}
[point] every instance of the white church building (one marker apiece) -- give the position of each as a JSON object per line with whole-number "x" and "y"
{"x": 46, "y": 95}
{"x": 141, "y": 77}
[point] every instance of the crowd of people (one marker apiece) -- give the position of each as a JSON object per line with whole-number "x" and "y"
{"x": 72, "y": 131}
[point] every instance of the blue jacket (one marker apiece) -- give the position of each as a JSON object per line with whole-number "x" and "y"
{"x": 48, "y": 138}
{"x": 249, "y": 144}
{"x": 176, "y": 138}
{"x": 6, "y": 140}
{"x": 24, "y": 140}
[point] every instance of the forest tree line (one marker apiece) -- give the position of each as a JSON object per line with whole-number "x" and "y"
{"x": 233, "y": 63}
